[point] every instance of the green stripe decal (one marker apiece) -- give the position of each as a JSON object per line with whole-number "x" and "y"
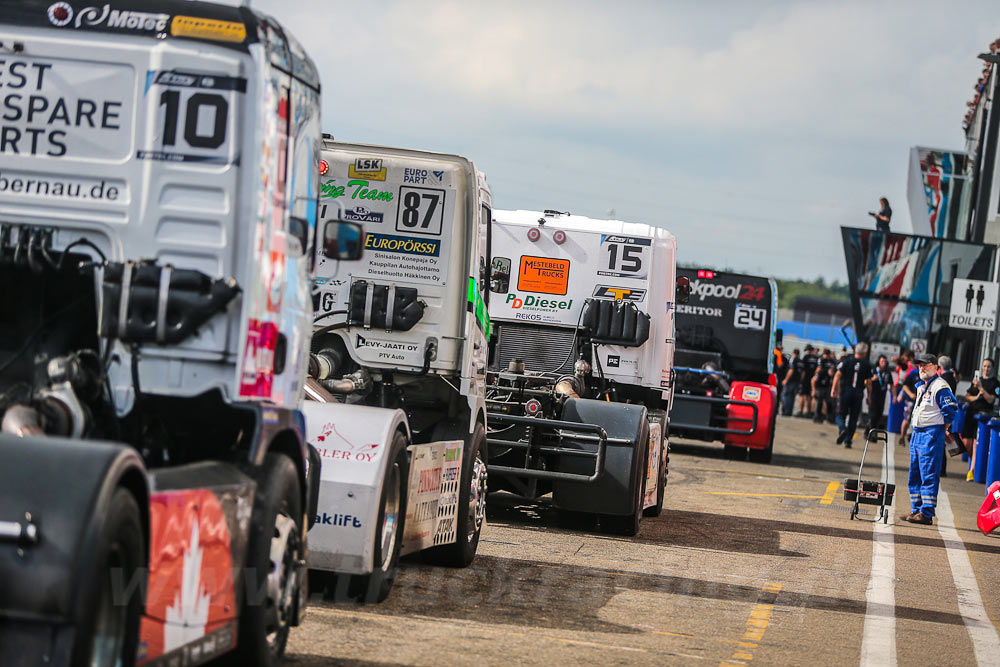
{"x": 478, "y": 306}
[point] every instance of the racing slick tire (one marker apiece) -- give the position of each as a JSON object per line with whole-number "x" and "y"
{"x": 628, "y": 524}
{"x": 112, "y": 636}
{"x": 375, "y": 587}
{"x": 471, "y": 505}
{"x": 272, "y": 586}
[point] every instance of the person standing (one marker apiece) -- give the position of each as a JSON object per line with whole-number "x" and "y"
{"x": 933, "y": 411}
{"x": 981, "y": 397}
{"x": 849, "y": 383}
{"x": 883, "y": 217}
{"x": 809, "y": 361}
{"x": 792, "y": 378}
{"x": 779, "y": 369}
{"x": 881, "y": 383}
{"x": 821, "y": 381}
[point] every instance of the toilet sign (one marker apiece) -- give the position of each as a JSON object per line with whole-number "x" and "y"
{"x": 973, "y": 305}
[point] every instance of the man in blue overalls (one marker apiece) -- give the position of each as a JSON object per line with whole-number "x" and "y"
{"x": 933, "y": 412}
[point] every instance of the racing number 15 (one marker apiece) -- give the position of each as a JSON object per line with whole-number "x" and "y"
{"x": 630, "y": 260}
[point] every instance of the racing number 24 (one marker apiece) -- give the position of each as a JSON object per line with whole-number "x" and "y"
{"x": 630, "y": 261}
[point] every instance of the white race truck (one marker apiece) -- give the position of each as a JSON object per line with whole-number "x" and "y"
{"x": 399, "y": 363}
{"x": 580, "y": 367}
{"x": 157, "y": 218}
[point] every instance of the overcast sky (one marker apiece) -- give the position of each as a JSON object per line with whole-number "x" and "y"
{"x": 750, "y": 129}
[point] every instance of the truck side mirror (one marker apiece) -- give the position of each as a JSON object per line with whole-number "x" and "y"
{"x": 343, "y": 240}
{"x": 683, "y": 289}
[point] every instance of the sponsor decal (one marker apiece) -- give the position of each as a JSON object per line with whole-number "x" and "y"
{"x": 708, "y": 289}
{"x": 614, "y": 361}
{"x": 190, "y": 598}
{"x": 358, "y": 189}
{"x": 543, "y": 274}
{"x": 365, "y": 167}
{"x": 535, "y": 303}
{"x": 631, "y": 240}
{"x": 364, "y": 341}
{"x": 213, "y": 29}
{"x": 345, "y": 520}
{"x": 362, "y": 214}
{"x": 60, "y": 13}
{"x": 121, "y": 19}
{"x": 403, "y": 245}
{"x": 387, "y": 350}
{"x": 422, "y": 176}
{"x": 332, "y": 444}
{"x": 685, "y": 309}
{"x": 665, "y": 384}
{"x": 751, "y": 393}
{"x": 619, "y": 293}
{"x": 258, "y": 359}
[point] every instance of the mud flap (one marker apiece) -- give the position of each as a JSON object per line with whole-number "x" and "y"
{"x": 656, "y": 445}
{"x": 432, "y": 498}
{"x": 615, "y": 491}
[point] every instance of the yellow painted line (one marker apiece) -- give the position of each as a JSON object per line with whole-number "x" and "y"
{"x": 753, "y": 474}
{"x": 831, "y": 492}
{"x": 756, "y": 626}
{"x": 762, "y": 495}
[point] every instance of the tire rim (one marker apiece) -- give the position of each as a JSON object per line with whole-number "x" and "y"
{"x": 282, "y": 579}
{"x": 109, "y": 628}
{"x": 477, "y": 498}
{"x": 390, "y": 517}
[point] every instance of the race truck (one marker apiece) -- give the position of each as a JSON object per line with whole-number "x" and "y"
{"x": 157, "y": 219}
{"x": 398, "y": 365}
{"x": 580, "y": 366}
{"x": 725, "y": 388}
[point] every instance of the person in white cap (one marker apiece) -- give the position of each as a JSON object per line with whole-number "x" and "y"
{"x": 933, "y": 412}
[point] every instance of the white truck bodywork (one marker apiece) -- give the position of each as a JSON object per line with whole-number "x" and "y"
{"x": 415, "y": 208}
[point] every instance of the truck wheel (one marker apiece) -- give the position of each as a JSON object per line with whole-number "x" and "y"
{"x": 629, "y": 524}
{"x": 764, "y": 455}
{"x": 375, "y": 587}
{"x": 735, "y": 453}
{"x": 471, "y": 507}
{"x": 274, "y": 550}
{"x": 112, "y": 633}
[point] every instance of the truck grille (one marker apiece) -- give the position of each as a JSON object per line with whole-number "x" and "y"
{"x": 541, "y": 348}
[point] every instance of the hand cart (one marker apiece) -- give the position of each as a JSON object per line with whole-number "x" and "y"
{"x": 865, "y": 492}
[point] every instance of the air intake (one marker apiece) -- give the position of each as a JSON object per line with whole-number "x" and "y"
{"x": 541, "y": 348}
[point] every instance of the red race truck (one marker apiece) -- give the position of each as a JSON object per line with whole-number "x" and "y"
{"x": 725, "y": 388}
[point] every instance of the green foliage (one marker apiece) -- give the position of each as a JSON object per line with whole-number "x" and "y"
{"x": 818, "y": 289}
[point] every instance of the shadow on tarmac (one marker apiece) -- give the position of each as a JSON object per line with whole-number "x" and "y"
{"x": 571, "y": 596}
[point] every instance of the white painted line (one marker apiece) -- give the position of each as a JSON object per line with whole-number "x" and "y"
{"x": 985, "y": 641}
{"x": 878, "y": 642}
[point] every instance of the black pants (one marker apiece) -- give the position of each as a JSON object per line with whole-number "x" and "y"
{"x": 822, "y": 403}
{"x": 875, "y": 412}
{"x": 850, "y": 410}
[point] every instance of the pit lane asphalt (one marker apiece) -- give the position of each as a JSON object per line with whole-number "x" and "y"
{"x": 748, "y": 563}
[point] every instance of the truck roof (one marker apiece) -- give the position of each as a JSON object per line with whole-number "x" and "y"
{"x": 581, "y": 223}
{"x": 223, "y": 25}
